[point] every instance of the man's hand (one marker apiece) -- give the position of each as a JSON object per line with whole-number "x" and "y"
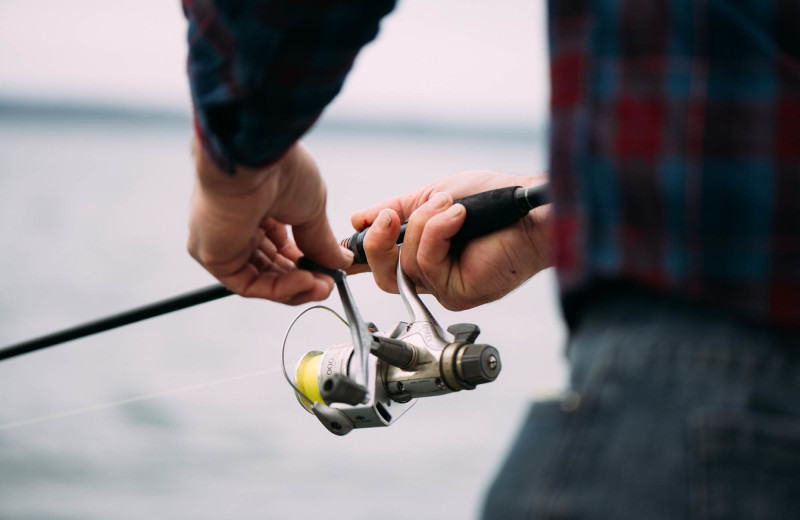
{"x": 487, "y": 269}
{"x": 237, "y": 228}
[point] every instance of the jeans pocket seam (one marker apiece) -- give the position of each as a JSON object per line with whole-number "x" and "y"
{"x": 578, "y": 421}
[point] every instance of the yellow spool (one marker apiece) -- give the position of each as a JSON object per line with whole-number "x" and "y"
{"x": 307, "y": 378}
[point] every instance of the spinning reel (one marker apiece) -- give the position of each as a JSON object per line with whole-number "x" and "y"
{"x": 374, "y": 380}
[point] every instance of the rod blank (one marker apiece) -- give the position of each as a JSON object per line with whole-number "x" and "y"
{"x": 176, "y": 303}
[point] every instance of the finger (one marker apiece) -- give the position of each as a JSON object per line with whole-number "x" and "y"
{"x": 316, "y": 240}
{"x": 271, "y": 275}
{"x": 272, "y": 232}
{"x": 266, "y": 248}
{"x": 277, "y": 244}
{"x": 403, "y": 205}
{"x": 380, "y": 246}
{"x": 366, "y": 217}
{"x": 284, "y": 263}
{"x": 321, "y": 290}
{"x": 357, "y": 269}
{"x": 416, "y": 224}
{"x": 287, "y": 287}
{"x": 261, "y": 261}
{"x": 435, "y": 262}
{"x": 278, "y": 240}
{"x": 283, "y": 253}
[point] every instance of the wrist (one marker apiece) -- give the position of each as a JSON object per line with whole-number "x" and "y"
{"x": 211, "y": 179}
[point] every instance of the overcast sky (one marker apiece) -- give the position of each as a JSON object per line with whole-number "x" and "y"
{"x": 454, "y": 60}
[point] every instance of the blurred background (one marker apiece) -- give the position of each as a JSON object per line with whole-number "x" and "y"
{"x": 95, "y": 177}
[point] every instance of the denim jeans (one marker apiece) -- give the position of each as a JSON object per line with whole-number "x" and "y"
{"x": 672, "y": 413}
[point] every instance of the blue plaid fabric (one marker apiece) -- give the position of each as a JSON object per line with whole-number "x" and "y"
{"x": 262, "y": 71}
{"x": 676, "y": 150}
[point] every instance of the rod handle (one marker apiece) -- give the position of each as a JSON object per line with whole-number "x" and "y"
{"x": 486, "y": 212}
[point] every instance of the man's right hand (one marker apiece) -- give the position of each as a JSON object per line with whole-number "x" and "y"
{"x": 488, "y": 267}
{"x": 238, "y": 228}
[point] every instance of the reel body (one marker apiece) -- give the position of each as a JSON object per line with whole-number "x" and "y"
{"x": 414, "y": 360}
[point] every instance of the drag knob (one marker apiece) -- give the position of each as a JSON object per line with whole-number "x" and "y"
{"x": 478, "y": 364}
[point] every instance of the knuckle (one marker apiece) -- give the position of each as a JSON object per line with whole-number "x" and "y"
{"x": 213, "y": 263}
{"x": 413, "y": 200}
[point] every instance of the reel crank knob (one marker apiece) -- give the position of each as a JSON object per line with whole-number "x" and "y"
{"x": 478, "y": 364}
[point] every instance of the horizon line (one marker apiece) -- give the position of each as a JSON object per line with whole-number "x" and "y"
{"x": 52, "y": 110}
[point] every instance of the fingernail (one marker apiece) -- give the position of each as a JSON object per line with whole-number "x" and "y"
{"x": 455, "y": 210}
{"x": 438, "y": 200}
{"x": 384, "y": 219}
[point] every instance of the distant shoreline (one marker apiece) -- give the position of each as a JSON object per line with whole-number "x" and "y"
{"x": 53, "y": 111}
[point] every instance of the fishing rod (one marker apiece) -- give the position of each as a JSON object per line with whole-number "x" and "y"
{"x": 176, "y": 303}
{"x": 486, "y": 212}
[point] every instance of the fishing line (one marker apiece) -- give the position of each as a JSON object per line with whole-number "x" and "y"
{"x": 173, "y": 391}
{"x": 134, "y": 399}
{"x": 301, "y": 396}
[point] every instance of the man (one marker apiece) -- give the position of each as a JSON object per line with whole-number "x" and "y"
{"x": 675, "y": 230}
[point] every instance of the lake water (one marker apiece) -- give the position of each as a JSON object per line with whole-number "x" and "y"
{"x": 93, "y": 217}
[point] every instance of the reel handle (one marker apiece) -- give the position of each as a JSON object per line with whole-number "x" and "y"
{"x": 338, "y": 388}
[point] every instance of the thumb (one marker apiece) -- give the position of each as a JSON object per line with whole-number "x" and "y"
{"x": 317, "y": 241}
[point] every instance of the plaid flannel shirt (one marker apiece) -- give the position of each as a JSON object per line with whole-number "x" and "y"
{"x": 675, "y": 149}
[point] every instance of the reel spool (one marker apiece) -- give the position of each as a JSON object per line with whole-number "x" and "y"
{"x": 307, "y": 379}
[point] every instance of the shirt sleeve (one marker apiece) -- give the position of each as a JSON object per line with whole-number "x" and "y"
{"x": 262, "y": 71}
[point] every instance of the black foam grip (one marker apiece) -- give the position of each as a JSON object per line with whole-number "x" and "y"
{"x": 356, "y": 244}
{"x": 486, "y": 212}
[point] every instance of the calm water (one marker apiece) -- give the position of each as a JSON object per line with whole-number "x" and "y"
{"x": 92, "y": 221}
